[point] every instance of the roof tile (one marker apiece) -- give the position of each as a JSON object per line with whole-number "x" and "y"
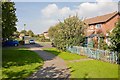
{"x": 100, "y": 19}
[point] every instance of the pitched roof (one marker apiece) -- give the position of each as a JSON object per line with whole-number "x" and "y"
{"x": 45, "y": 32}
{"x": 100, "y": 19}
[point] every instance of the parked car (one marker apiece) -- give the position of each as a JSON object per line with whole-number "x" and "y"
{"x": 10, "y": 43}
{"x": 31, "y": 41}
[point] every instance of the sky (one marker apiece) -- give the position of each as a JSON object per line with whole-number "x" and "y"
{"x": 40, "y": 16}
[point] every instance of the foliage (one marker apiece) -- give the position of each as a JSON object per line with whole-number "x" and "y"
{"x": 24, "y": 32}
{"x": 30, "y": 33}
{"x": 19, "y": 63}
{"x": 9, "y": 19}
{"x": 91, "y": 44}
{"x": 0, "y": 19}
{"x": 64, "y": 55}
{"x": 67, "y": 33}
{"x": 41, "y": 38}
{"x": 102, "y": 44}
{"x": 93, "y": 69}
{"x": 115, "y": 38}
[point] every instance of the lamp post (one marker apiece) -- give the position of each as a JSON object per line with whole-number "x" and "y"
{"x": 24, "y": 32}
{"x": 24, "y": 26}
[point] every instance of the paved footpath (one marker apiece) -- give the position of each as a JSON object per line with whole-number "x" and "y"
{"x": 54, "y": 67}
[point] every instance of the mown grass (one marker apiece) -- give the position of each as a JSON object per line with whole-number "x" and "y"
{"x": 86, "y": 69}
{"x": 19, "y": 63}
{"x": 64, "y": 55}
{"x": 93, "y": 69}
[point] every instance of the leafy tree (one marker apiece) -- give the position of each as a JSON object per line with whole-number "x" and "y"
{"x": 9, "y": 19}
{"x": 17, "y": 32}
{"x": 52, "y": 30}
{"x": 115, "y": 38}
{"x": 102, "y": 44}
{"x": 67, "y": 33}
{"x": 30, "y": 33}
{"x": 0, "y": 19}
{"x": 24, "y": 32}
{"x": 16, "y": 35}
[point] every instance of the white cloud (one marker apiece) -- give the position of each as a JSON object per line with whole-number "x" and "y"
{"x": 87, "y": 9}
{"x": 51, "y": 13}
{"x": 65, "y": 10}
{"x": 50, "y": 9}
{"x": 99, "y": 8}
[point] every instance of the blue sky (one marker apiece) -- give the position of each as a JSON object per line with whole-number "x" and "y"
{"x": 39, "y": 16}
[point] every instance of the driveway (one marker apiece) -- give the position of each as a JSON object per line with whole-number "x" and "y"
{"x": 54, "y": 67}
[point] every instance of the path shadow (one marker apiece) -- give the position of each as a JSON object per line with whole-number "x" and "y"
{"x": 51, "y": 72}
{"x": 20, "y": 55}
{"x": 46, "y": 72}
{"x": 32, "y": 45}
{"x": 15, "y": 61}
{"x": 45, "y": 55}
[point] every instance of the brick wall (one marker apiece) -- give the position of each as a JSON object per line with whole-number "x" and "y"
{"x": 108, "y": 26}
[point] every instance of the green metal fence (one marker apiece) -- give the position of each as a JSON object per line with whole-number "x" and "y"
{"x": 107, "y": 56}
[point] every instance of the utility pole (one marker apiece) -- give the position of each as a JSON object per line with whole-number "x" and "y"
{"x": 24, "y": 26}
{"x": 24, "y": 32}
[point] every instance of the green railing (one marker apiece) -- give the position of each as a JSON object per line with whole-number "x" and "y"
{"x": 95, "y": 53}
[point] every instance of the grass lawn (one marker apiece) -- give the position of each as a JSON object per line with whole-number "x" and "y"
{"x": 93, "y": 69}
{"x": 64, "y": 55}
{"x": 86, "y": 69}
{"x": 19, "y": 63}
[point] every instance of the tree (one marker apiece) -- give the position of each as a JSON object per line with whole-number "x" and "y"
{"x": 24, "y": 32}
{"x": 52, "y": 30}
{"x": 102, "y": 44}
{"x": 115, "y": 40}
{"x": 9, "y": 19}
{"x": 0, "y": 19}
{"x": 30, "y": 33}
{"x": 68, "y": 33}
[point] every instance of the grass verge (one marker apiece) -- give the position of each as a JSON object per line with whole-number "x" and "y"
{"x": 19, "y": 63}
{"x": 93, "y": 69}
{"x": 86, "y": 69}
{"x": 64, "y": 55}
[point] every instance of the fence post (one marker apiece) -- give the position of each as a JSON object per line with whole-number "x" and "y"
{"x": 116, "y": 57}
{"x": 113, "y": 57}
{"x": 110, "y": 56}
{"x": 96, "y": 53}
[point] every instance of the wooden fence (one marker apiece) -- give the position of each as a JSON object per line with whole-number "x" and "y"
{"x": 107, "y": 56}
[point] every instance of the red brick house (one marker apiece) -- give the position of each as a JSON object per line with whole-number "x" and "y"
{"x": 101, "y": 25}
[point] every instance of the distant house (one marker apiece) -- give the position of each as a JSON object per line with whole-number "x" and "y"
{"x": 40, "y": 35}
{"x": 46, "y": 35}
{"x": 100, "y": 25}
{"x": 21, "y": 35}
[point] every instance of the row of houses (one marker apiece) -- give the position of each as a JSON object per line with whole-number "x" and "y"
{"x": 45, "y": 34}
{"x": 103, "y": 24}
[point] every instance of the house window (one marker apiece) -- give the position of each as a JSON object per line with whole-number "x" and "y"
{"x": 98, "y": 25}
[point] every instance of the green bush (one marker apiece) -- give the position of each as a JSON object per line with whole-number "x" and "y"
{"x": 70, "y": 32}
